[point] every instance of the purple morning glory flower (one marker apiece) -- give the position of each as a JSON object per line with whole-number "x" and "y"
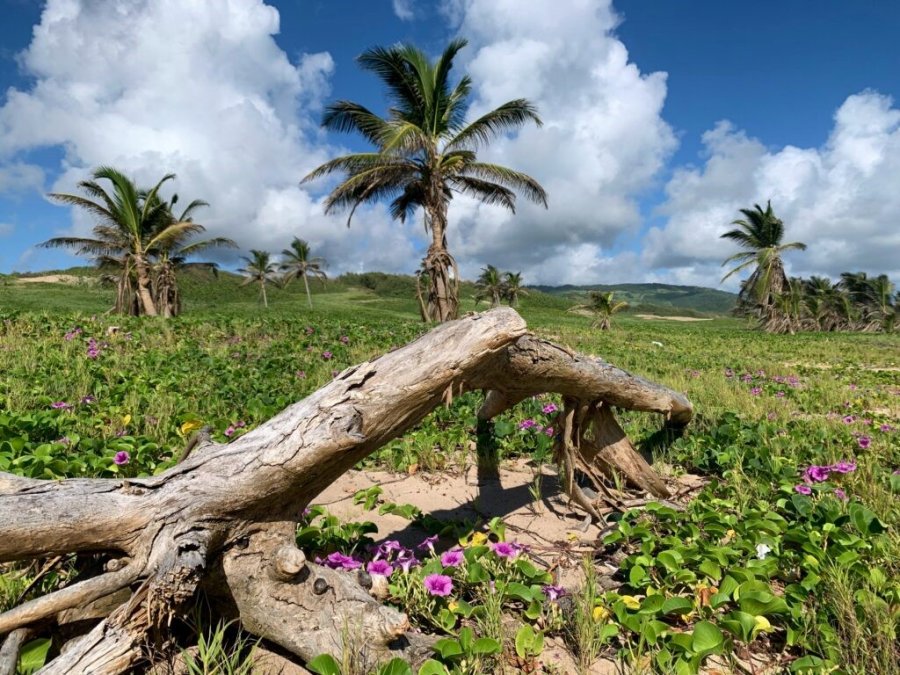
{"x": 327, "y": 355}
{"x": 817, "y": 474}
{"x": 229, "y": 431}
{"x": 549, "y": 409}
{"x": 849, "y": 419}
{"x": 864, "y": 442}
{"x": 885, "y": 428}
{"x": 746, "y": 377}
{"x": 554, "y": 592}
{"x": 122, "y": 457}
{"x": 840, "y": 494}
{"x": 338, "y": 560}
{"x": 385, "y": 549}
{"x": 549, "y": 431}
{"x": 756, "y": 391}
{"x": 452, "y": 558}
{"x": 779, "y": 394}
{"x": 87, "y": 400}
{"x": 345, "y": 340}
{"x": 382, "y": 567}
{"x": 504, "y": 549}
{"x": 428, "y": 543}
{"x": 729, "y": 373}
{"x": 61, "y": 405}
{"x": 803, "y": 489}
{"x": 407, "y": 560}
{"x": 843, "y": 466}
{"x": 527, "y": 424}
{"x": 439, "y": 584}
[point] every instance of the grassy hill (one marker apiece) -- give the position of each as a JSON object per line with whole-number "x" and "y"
{"x": 664, "y": 299}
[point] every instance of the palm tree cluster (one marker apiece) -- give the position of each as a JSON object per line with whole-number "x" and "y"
{"x": 297, "y": 262}
{"x": 785, "y": 305}
{"x": 602, "y": 306}
{"x": 425, "y": 152}
{"x": 496, "y": 287}
{"x": 138, "y": 241}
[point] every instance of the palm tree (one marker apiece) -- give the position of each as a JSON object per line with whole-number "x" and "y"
{"x": 602, "y": 306}
{"x": 513, "y": 282}
{"x": 259, "y": 269}
{"x": 424, "y": 153}
{"x": 760, "y": 232}
{"x": 490, "y": 285}
{"x": 128, "y": 230}
{"x": 172, "y": 256}
{"x": 298, "y": 263}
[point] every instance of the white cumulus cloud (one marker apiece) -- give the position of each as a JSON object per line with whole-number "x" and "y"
{"x": 841, "y": 199}
{"x": 603, "y": 140}
{"x": 200, "y": 89}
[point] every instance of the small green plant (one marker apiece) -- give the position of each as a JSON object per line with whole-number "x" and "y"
{"x": 217, "y": 655}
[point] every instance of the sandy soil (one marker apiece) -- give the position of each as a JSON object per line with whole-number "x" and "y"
{"x": 670, "y": 318}
{"x": 53, "y": 279}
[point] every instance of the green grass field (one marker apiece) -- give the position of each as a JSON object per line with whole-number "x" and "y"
{"x": 753, "y": 566}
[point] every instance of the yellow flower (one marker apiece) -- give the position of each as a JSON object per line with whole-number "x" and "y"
{"x": 477, "y": 539}
{"x": 631, "y": 602}
{"x": 189, "y": 426}
{"x": 453, "y": 606}
{"x": 600, "y": 613}
{"x": 126, "y": 420}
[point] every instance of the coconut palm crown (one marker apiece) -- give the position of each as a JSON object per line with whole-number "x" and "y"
{"x": 760, "y": 233}
{"x": 514, "y": 289}
{"x": 132, "y": 225}
{"x": 603, "y": 307}
{"x": 490, "y": 285}
{"x": 299, "y": 263}
{"x": 260, "y": 270}
{"x": 425, "y": 152}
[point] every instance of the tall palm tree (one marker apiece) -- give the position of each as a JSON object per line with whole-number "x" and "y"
{"x": 513, "y": 282}
{"x": 260, "y": 270}
{"x": 127, "y": 232}
{"x": 603, "y": 307}
{"x": 424, "y": 153}
{"x": 172, "y": 257}
{"x": 298, "y": 263}
{"x": 760, "y": 232}
{"x": 490, "y": 285}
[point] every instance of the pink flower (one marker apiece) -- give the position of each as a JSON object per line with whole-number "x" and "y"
{"x": 345, "y": 340}
{"x": 756, "y": 391}
{"x": 229, "y": 431}
{"x": 452, "y": 558}
{"x": 326, "y": 355}
{"x": 817, "y": 474}
{"x": 527, "y": 424}
{"x": 338, "y": 560}
{"x": 779, "y": 394}
{"x": 864, "y": 442}
{"x": 382, "y": 567}
{"x": 122, "y": 457}
{"x": 843, "y": 467}
{"x": 549, "y": 431}
{"x": 61, "y": 405}
{"x": 554, "y": 592}
{"x": 803, "y": 489}
{"x": 885, "y": 428}
{"x": 504, "y": 549}
{"x": 849, "y": 419}
{"x": 439, "y": 584}
{"x": 386, "y": 548}
{"x": 549, "y": 409}
{"x": 428, "y": 543}
{"x": 87, "y": 400}
{"x": 840, "y": 494}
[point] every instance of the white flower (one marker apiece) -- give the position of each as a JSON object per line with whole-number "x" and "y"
{"x": 658, "y": 344}
{"x": 761, "y": 551}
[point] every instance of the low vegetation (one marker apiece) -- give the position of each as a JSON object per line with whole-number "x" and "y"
{"x": 786, "y": 555}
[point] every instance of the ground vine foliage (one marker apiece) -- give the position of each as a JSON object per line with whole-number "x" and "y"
{"x": 787, "y": 556}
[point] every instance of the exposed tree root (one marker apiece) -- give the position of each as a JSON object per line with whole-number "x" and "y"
{"x": 221, "y": 522}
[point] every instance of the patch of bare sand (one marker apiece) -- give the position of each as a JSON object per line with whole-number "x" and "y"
{"x": 54, "y": 279}
{"x": 670, "y": 318}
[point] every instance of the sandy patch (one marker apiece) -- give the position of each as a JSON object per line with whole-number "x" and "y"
{"x": 54, "y": 279}
{"x": 670, "y": 318}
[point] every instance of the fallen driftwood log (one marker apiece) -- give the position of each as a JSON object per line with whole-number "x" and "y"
{"x": 222, "y": 522}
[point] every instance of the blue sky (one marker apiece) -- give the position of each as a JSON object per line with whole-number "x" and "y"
{"x": 661, "y": 120}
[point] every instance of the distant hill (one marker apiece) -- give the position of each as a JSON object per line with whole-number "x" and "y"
{"x": 655, "y": 298}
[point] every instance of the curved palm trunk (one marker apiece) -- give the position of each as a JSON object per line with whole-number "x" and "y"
{"x": 308, "y": 296}
{"x": 443, "y": 294}
{"x": 143, "y": 281}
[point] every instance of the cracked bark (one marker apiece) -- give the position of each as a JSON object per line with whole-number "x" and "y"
{"x": 222, "y": 521}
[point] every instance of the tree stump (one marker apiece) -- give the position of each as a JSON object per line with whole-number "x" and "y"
{"x": 221, "y": 523}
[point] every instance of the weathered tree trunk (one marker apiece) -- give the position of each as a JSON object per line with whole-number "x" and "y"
{"x": 143, "y": 286}
{"x": 222, "y": 522}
